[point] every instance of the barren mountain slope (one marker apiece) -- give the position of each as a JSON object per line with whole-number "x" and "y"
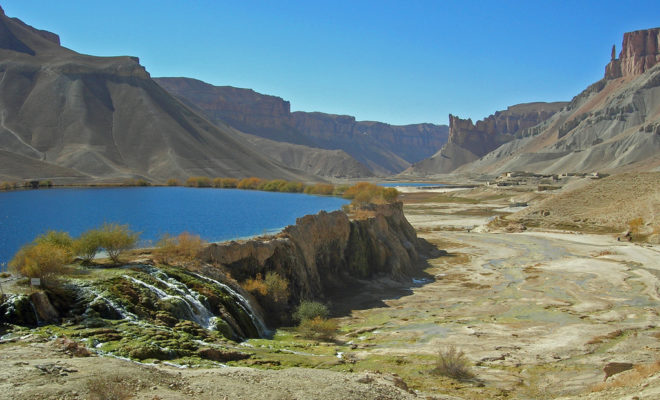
{"x": 104, "y": 118}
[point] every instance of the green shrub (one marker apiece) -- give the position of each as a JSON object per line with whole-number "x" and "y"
{"x": 116, "y": 239}
{"x": 276, "y": 185}
{"x": 87, "y": 245}
{"x": 277, "y": 287}
{"x": 308, "y": 310}
{"x": 58, "y": 239}
{"x": 454, "y": 364}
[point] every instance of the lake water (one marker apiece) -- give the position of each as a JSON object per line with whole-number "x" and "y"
{"x": 214, "y": 214}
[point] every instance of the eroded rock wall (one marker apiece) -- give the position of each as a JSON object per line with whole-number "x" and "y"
{"x": 639, "y": 53}
{"x": 328, "y": 251}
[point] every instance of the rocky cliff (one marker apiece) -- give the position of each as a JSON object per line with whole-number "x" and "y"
{"x": 328, "y": 251}
{"x": 639, "y": 53}
{"x": 74, "y": 117}
{"x": 383, "y": 148}
{"x": 469, "y": 141}
{"x": 612, "y": 126}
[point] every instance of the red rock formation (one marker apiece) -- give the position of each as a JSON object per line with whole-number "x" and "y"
{"x": 488, "y": 134}
{"x": 639, "y": 53}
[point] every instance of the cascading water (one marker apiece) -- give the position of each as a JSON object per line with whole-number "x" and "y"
{"x": 242, "y": 302}
{"x": 195, "y": 310}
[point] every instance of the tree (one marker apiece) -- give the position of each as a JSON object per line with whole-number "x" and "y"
{"x": 87, "y": 245}
{"x": 39, "y": 260}
{"x": 115, "y": 239}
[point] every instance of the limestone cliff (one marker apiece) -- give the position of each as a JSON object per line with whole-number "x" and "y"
{"x": 639, "y": 53}
{"x": 328, "y": 251}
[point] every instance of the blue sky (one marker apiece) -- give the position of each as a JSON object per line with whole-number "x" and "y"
{"x": 393, "y": 61}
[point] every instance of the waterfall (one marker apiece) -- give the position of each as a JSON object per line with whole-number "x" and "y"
{"x": 242, "y": 302}
{"x": 125, "y": 314}
{"x": 196, "y": 311}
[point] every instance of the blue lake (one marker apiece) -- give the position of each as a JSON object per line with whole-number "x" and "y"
{"x": 214, "y": 214}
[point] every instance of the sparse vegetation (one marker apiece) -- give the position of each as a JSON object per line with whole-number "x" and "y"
{"x": 635, "y": 226}
{"x": 185, "y": 248}
{"x": 454, "y": 364}
{"x": 173, "y": 182}
{"x": 629, "y": 378}
{"x": 109, "y": 388}
{"x": 273, "y": 288}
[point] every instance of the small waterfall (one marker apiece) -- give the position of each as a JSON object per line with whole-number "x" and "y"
{"x": 242, "y": 302}
{"x": 196, "y": 311}
{"x": 98, "y": 297}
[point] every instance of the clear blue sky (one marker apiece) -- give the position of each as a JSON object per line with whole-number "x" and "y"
{"x": 394, "y": 61}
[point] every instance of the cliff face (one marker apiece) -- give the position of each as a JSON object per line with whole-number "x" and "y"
{"x": 639, "y": 53}
{"x": 327, "y": 251}
{"x": 383, "y": 148}
{"x": 469, "y": 141}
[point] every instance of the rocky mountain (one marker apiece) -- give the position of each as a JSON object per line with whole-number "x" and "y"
{"x": 612, "y": 126}
{"x": 468, "y": 141}
{"x": 72, "y": 117}
{"x": 383, "y": 148}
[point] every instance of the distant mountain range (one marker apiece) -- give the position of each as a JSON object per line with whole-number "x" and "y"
{"x": 70, "y": 117}
{"x": 384, "y": 149}
{"x": 612, "y": 126}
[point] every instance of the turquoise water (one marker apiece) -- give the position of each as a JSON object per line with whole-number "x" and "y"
{"x": 214, "y": 214}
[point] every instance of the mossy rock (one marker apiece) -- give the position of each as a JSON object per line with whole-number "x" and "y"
{"x": 144, "y": 351}
{"x": 222, "y": 355}
{"x": 18, "y": 310}
{"x": 190, "y": 328}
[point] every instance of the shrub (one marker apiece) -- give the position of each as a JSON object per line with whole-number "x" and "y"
{"x": 183, "y": 248}
{"x": 635, "y": 225}
{"x": 227, "y": 183}
{"x": 87, "y": 245}
{"x": 173, "y": 182}
{"x": 320, "y": 189}
{"x": 293, "y": 187}
{"x": 318, "y": 328}
{"x": 40, "y": 260}
{"x": 277, "y": 287}
{"x": 276, "y": 185}
{"x": 255, "y": 285}
{"x": 61, "y": 240}
{"x": 198, "y": 181}
{"x": 454, "y": 364}
{"x": 365, "y": 192}
{"x": 308, "y": 310}
{"x": 249, "y": 183}
{"x": 116, "y": 238}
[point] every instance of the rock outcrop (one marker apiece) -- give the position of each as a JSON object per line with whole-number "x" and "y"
{"x": 469, "y": 141}
{"x": 383, "y": 148}
{"x": 639, "y": 53}
{"x": 328, "y": 251}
